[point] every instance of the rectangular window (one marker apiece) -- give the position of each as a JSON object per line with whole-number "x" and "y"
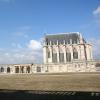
{"x": 68, "y": 57}
{"x": 48, "y": 54}
{"x": 61, "y": 57}
{"x": 54, "y": 58}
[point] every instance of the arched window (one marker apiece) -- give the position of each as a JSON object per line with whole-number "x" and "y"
{"x": 2, "y": 69}
{"x": 61, "y": 55}
{"x": 16, "y": 69}
{"x": 54, "y": 56}
{"x": 48, "y": 53}
{"x": 75, "y": 54}
{"x": 28, "y": 69}
{"x": 68, "y": 55}
{"x": 8, "y": 69}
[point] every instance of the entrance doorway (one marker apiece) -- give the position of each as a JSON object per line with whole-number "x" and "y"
{"x": 8, "y": 69}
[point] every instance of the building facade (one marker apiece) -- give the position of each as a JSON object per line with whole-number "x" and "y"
{"x": 66, "y": 52}
{"x": 64, "y": 48}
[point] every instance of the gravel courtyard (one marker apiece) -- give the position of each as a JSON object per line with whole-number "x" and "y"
{"x": 51, "y": 82}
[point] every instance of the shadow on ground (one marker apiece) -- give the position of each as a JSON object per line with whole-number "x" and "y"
{"x": 47, "y": 95}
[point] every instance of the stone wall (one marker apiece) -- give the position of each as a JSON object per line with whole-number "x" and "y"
{"x": 88, "y": 66}
{"x": 76, "y": 66}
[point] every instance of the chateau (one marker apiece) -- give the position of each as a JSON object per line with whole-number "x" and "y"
{"x": 65, "y": 52}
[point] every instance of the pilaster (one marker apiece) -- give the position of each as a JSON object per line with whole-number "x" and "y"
{"x": 45, "y": 54}
{"x": 71, "y": 51}
{"x": 64, "y": 54}
{"x": 58, "y": 54}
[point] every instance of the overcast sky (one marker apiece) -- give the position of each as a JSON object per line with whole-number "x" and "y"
{"x": 24, "y": 22}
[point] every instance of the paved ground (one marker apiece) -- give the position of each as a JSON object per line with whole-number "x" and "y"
{"x": 52, "y": 82}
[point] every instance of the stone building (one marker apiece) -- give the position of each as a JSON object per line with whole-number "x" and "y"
{"x": 66, "y": 52}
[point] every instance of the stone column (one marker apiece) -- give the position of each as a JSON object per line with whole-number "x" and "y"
{"x": 5, "y": 69}
{"x": 51, "y": 53}
{"x": 82, "y": 52}
{"x": 45, "y": 54}
{"x": 30, "y": 69}
{"x": 14, "y": 69}
{"x": 78, "y": 50}
{"x": 88, "y": 52}
{"x": 91, "y": 52}
{"x": 71, "y": 51}
{"x": 19, "y": 69}
{"x": 64, "y": 54}
{"x": 24, "y": 69}
{"x": 57, "y": 51}
{"x": 58, "y": 54}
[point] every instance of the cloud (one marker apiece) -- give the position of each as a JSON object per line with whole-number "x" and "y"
{"x": 34, "y": 45}
{"x": 32, "y": 53}
{"x": 96, "y": 16}
{"x": 20, "y": 34}
{"x": 21, "y": 56}
{"x": 96, "y": 11}
{"x": 96, "y": 48}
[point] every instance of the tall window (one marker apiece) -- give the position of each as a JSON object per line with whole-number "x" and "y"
{"x": 75, "y": 54}
{"x": 48, "y": 53}
{"x": 54, "y": 56}
{"x": 68, "y": 56}
{"x": 61, "y": 56}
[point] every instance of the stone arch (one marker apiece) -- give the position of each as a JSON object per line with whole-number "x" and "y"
{"x": 22, "y": 69}
{"x": 8, "y": 69}
{"x": 61, "y": 55}
{"x": 75, "y": 53}
{"x": 54, "y": 55}
{"x": 68, "y": 55}
{"x": 16, "y": 69}
{"x": 38, "y": 69}
{"x": 2, "y": 69}
{"x": 28, "y": 69}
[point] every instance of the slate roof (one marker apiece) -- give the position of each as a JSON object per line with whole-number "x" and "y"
{"x": 71, "y": 38}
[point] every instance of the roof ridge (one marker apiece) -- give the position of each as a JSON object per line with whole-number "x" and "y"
{"x": 65, "y": 33}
